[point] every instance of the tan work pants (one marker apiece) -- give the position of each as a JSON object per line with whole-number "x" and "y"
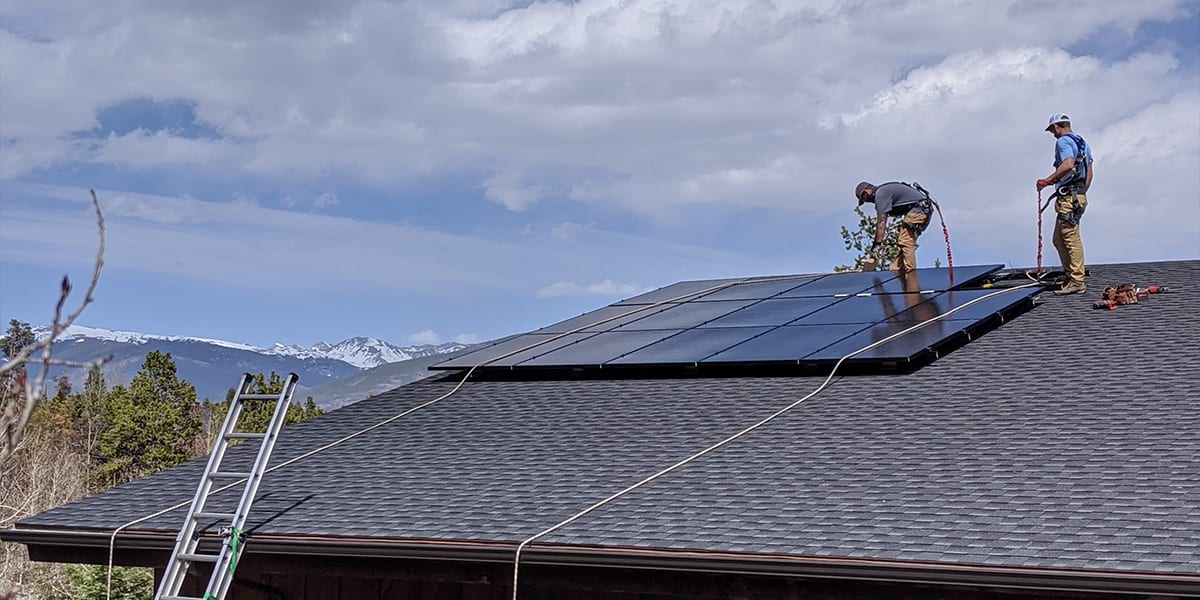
{"x": 907, "y": 238}
{"x": 1067, "y": 240}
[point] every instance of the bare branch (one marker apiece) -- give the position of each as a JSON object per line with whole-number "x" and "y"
{"x": 12, "y": 426}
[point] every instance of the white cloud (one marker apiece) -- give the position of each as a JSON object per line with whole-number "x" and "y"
{"x": 467, "y": 338}
{"x": 508, "y": 189}
{"x": 236, "y": 242}
{"x": 427, "y": 336}
{"x": 326, "y": 200}
{"x": 606, "y": 287}
{"x": 678, "y": 116}
{"x": 969, "y": 77}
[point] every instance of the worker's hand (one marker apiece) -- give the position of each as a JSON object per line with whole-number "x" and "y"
{"x": 1041, "y": 183}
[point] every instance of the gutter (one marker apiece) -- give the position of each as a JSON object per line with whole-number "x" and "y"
{"x": 44, "y": 544}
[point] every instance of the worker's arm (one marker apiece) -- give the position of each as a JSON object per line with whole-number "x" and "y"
{"x": 1063, "y": 168}
{"x": 880, "y": 232}
{"x": 1087, "y": 181}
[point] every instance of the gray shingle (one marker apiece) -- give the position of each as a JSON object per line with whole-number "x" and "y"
{"x": 1067, "y": 438}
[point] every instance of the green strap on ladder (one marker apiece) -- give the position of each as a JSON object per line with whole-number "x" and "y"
{"x": 235, "y": 552}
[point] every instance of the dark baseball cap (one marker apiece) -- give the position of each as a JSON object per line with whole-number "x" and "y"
{"x": 858, "y": 190}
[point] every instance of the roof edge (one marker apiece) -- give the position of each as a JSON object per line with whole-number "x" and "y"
{"x": 45, "y": 544}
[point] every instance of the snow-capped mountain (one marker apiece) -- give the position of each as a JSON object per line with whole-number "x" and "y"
{"x": 365, "y": 352}
{"x": 214, "y": 366}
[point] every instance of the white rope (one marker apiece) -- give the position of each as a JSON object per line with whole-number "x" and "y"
{"x": 113, "y": 538}
{"x": 772, "y": 417}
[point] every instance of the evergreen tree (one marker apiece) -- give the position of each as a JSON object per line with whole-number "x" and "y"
{"x": 19, "y": 336}
{"x": 152, "y": 425}
{"x": 256, "y": 416}
{"x": 90, "y": 582}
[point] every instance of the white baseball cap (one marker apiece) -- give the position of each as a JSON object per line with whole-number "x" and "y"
{"x": 1057, "y": 118}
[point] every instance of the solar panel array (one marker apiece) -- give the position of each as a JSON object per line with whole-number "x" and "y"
{"x": 759, "y": 321}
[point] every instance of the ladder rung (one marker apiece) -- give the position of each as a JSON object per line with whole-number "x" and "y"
{"x": 229, "y": 475}
{"x": 204, "y": 558}
{"x": 258, "y": 397}
{"x": 212, "y": 515}
{"x": 181, "y": 598}
{"x": 243, "y": 435}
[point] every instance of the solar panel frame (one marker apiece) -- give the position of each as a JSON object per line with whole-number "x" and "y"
{"x": 759, "y": 321}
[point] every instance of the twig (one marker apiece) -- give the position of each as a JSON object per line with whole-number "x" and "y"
{"x": 12, "y": 427}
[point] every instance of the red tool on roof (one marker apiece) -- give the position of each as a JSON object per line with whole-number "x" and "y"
{"x": 1126, "y": 293}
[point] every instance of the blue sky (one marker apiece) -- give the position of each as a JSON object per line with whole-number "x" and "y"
{"x": 306, "y": 170}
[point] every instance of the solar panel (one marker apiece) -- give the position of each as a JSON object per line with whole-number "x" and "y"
{"x": 598, "y": 349}
{"x": 761, "y": 321}
{"x": 677, "y": 291}
{"x": 935, "y": 279}
{"x": 929, "y": 336}
{"x": 789, "y": 343}
{"x": 758, "y": 289}
{"x": 843, "y": 284}
{"x": 690, "y": 347}
{"x": 686, "y": 315}
{"x": 604, "y": 319}
{"x": 772, "y": 312}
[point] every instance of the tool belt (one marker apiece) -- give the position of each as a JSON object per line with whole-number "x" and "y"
{"x": 1073, "y": 217}
{"x": 924, "y": 207}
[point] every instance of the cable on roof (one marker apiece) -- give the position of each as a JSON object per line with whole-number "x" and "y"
{"x": 772, "y": 417}
{"x": 112, "y": 540}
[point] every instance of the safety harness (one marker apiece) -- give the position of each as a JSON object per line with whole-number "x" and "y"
{"x": 1075, "y": 185}
{"x": 926, "y": 206}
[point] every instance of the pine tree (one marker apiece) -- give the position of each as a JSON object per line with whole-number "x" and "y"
{"x": 256, "y": 417}
{"x": 19, "y": 336}
{"x": 152, "y": 425}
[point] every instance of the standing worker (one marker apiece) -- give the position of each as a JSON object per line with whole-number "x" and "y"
{"x": 898, "y": 200}
{"x": 1071, "y": 178}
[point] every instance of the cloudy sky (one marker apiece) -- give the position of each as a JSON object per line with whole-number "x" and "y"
{"x": 303, "y": 170}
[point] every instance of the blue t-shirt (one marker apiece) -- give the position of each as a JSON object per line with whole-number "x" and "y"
{"x": 1065, "y": 148}
{"x": 895, "y": 198}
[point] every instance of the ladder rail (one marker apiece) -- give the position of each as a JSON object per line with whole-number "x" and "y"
{"x": 222, "y": 577}
{"x": 186, "y": 541}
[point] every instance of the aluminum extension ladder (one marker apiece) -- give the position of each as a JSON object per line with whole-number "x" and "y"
{"x": 185, "y": 552}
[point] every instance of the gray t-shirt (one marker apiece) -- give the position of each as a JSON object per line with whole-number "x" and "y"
{"x": 895, "y": 198}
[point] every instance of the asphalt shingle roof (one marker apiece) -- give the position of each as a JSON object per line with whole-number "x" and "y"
{"x": 1067, "y": 438}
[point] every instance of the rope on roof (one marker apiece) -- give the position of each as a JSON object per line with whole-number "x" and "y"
{"x": 112, "y": 540}
{"x": 772, "y": 417}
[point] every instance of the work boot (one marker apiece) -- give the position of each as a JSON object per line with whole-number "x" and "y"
{"x": 1071, "y": 287}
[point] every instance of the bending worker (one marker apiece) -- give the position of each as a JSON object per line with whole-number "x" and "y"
{"x": 898, "y": 200}
{"x": 1071, "y": 178}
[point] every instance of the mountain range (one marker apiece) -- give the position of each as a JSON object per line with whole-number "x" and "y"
{"x": 215, "y": 366}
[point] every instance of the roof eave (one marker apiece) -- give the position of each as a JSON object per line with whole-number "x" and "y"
{"x": 151, "y": 549}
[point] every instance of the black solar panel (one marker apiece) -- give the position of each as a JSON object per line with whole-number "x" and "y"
{"x": 760, "y": 321}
